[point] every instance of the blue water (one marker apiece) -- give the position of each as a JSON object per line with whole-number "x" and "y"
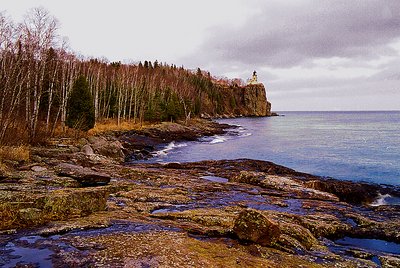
{"x": 370, "y": 244}
{"x": 359, "y": 146}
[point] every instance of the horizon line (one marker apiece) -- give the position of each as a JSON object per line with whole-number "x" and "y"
{"x": 336, "y": 111}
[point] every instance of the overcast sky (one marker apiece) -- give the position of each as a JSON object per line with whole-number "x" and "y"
{"x": 310, "y": 54}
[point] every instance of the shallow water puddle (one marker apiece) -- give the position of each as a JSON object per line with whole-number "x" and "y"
{"x": 215, "y": 200}
{"x": 37, "y": 251}
{"x": 235, "y": 197}
{"x": 215, "y": 179}
{"x": 370, "y": 244}
{"x": 124, "y": 227}
{"x": 294, "y": 206}
{"x": 164, "y": 210}
{"x": 174, "y": 208}
{"x": 351, "y": 222}
{"x": 15, "y": 254}
{"x": 375, "y": 247}
{"x": 232, "y": 198}
{"x": 30, "y": 239}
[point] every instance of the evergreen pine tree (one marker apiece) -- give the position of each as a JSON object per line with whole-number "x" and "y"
{"x": 80, "y": 109}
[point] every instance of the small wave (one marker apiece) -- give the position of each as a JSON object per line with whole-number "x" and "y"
{"x": 230, "y": 135}
{"x": 239, "y": 132}
{"x": 218, "y": 139}
{"x": 213, "y": 139}
{"x": 381, "y": 200}
{"x": 172, "y": 145}
{"x": 245, "y": 134}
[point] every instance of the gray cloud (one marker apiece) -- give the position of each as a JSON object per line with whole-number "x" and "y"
{"x": 377, "y": 92}
{"x": 389, "y": 71}
{"x": 283, "y": 35}
{"x": 368, "y": 96}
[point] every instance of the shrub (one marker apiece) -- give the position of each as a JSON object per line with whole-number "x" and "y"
{"x": 80, "y": 109}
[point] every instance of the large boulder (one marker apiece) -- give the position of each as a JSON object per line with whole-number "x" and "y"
{"x": 87, "y": 150}
{"x": 102, "y": 146}
{"x": 85, "y": 176}
{"x": 253, "y": 226}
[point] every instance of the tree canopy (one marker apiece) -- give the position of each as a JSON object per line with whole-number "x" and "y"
{"x": 80, "y": 109}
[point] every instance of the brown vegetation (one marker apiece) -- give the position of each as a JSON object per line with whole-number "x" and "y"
{"x": 110, "y": 124}
{"x": 14, "y": 154}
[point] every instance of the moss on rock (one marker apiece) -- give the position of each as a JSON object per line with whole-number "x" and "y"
{"x": 253, "y": 226}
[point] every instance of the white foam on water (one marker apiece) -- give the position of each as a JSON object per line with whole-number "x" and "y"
{"x": 214, "y": 139}
{"x": 172, "y": 145}
{"x": 218, "y": 139}
{"x": 240, "y": 132}
{"x": 380, "y": 201}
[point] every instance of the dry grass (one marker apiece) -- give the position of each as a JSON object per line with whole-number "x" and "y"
{"x": 112, "y": 125}
{"x": 14, "y": 153}
{"x": 101, "y": 127}
{"x": 3, "y": 168}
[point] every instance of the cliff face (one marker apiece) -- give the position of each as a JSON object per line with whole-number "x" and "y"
{"x": 254, "y": 101}
{"x": 250, "y": 100}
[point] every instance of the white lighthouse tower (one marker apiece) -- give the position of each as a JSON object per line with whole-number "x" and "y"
{"x": 253, "y": 79}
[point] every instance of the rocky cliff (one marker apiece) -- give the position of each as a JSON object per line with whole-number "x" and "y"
{"x": 250, "y": 100}
{"x": 254, "y": 100}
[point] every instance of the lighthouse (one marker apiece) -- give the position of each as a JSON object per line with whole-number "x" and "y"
{"x": 253, "y": 79}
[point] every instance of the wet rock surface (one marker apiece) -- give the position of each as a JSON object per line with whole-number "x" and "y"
{"x": 251, "y": 225}
{"x": 256, "y": 214}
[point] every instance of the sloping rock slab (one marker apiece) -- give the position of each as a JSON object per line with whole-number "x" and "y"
{"x": 351, "y": 192}
{"x": 253, "y": 226}
{"x": 85, "y": 176}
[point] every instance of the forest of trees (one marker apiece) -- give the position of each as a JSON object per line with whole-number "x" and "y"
{"x": 38, "y": 72}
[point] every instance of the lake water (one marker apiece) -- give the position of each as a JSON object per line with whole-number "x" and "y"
{"x": 358, "y": 146}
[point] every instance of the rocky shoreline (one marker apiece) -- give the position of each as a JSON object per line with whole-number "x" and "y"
{"x": 78, "y": 204}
